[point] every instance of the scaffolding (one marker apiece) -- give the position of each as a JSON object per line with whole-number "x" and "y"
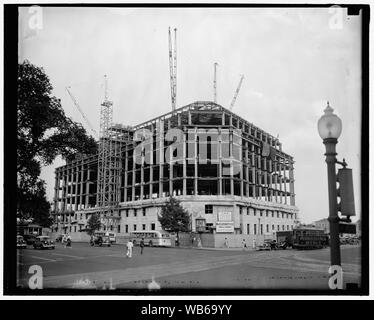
{"x": 112, "y": 139}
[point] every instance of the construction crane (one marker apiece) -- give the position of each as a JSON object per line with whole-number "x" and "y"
{"x": 215, "y": 82}
{"x": 173, "y": 68}
{"x": 236, "y": 92}
{"x": 81, "y": 112}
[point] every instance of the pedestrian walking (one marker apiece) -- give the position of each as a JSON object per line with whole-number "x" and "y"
{"x": 64, "y": 240}
{"x": 226, "y": 243}
{"x": 141, "y": 246}
{"x": 129, "y": 249}
{"x": 199, "y": 244}
{"x": 244, "y": 245}
{"x": 68, "y": 241}
{"x": 254, "y": 244}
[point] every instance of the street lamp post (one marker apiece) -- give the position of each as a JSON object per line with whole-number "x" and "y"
{"x": 329, "y": 129}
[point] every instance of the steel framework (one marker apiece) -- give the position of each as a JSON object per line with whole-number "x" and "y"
{"x": 109, "y": 163}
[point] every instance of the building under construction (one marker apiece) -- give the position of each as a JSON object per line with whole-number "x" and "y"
{"x": 230, "y": 175}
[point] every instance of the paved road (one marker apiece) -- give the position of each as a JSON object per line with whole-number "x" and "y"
{"x": 85, "y": 266}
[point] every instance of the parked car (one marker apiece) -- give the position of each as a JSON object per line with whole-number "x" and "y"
{"x": 30, "y": 238}
{"x": 100, "y": 241}
{"x": 272, "y": 243}
{"x": 21, "y": 243}
{"x": 43, "y": 242}
{"x": 266, "y": 246}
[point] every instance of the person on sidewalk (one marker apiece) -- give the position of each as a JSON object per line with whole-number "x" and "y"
{"x": 226, "y": 243}
{"x": 254, "y": 244}
{"x": 68, "y": 241}
{"x": 129, "y": 249}
{"x": 244, "y": 245}
{"x": 199, "y": 244}
{"x": 141, "y": 246}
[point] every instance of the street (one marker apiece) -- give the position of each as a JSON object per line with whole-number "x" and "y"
{"x": 83, "y": 266}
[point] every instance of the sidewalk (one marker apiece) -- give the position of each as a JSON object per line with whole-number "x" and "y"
{"x": 214, "y": 248}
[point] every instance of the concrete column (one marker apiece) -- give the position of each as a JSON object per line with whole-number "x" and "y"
{"x": 231, "y": 146}
{"x": 64, "y": 189}
{"x": 126, "y": 172}
{"x": 196, "y": 166}
{"x": 55, "y": 198}
{"x": 81, "y": 186}
{"x": 285, "y": 184}
{"x": 292, "y": 187}
{"x": 162, "y": 156}
{"x": 151, "y": 166}
{"x": 184, "y": 164}
{"x": 133, "y": 177}
{"x": 260, "y": 185}
{"x": 280, "y": 182}
{"x": 142, "y": 179}
{"x": 76, "y": 183}
{"x": 87, "y": 186}
{"x": 71, "y": 189}
{"x": 171, "y": 174}
{"x": 241, "y": 168}
{"x": 231, "y": 178}
{"x": 247, "y": 170}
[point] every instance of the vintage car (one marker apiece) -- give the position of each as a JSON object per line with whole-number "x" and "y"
{"x": 43, "y": 242}
{"x": 30, "y": 238}
{"x": 272, "y": 243}
{"x": 100, "y": 241}
{"x": 266, "y": 246}
{"x": 21, "y": 243}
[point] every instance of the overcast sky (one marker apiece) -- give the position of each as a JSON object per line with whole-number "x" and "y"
{"x": 293, "y": 60}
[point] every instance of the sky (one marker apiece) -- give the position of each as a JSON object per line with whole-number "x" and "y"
{"x": 294, "y": 60}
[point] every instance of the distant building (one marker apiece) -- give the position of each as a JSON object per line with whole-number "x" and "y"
{"x": 29, "y": 228}
{"x": 323, "y": 224}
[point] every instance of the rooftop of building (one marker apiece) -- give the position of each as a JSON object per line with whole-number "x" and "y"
{"x": 204, "y": 111}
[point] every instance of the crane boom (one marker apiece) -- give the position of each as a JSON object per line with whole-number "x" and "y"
{"x": 81, "y": 111}
{"x": 173, "y": 68}
{"x": 215, "y": 82}
{"x": 236, "y": 92}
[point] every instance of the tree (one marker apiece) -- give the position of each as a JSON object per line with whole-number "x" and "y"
{"x": 93, "y": 224}
{"x": 43, "y": 133}
{"x": 173, "y": 217}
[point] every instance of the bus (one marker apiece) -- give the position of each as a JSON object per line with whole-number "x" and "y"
{"x": 110, "y": 234}
{"x": 303, "y": 238}
{"x": 151, "y": 238}
{"x": 309, "y": 238}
